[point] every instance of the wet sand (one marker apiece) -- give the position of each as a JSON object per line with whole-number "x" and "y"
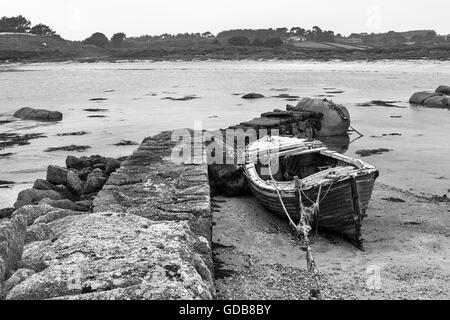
{"x": 406, "y": 244}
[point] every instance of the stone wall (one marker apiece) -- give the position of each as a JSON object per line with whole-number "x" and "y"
{"x": 148, "y": 238}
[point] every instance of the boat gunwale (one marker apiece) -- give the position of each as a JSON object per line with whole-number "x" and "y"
{"x": 363, "y": 169}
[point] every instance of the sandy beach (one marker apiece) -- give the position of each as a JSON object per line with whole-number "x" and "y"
{"x": 406, "y": 252}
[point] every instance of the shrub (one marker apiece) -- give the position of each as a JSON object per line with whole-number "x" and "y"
{"x": 117, "y": 39}
{"x": 273, "y": 42}
{"x": 239, "y": 41}
{"x": 97, "y": 39}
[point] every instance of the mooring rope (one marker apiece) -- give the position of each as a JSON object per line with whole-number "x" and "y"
{"x": 307, "y": 214}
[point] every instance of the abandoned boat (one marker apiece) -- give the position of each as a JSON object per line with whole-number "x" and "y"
{"x": 292, "y": 177}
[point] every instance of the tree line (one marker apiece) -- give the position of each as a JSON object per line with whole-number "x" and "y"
{"x": 20, "y": 24}
{"x": 314, "y": 34}
{"x": 237, "y": 37}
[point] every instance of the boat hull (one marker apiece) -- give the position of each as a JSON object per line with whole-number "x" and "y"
{"x": 341, "y": 211}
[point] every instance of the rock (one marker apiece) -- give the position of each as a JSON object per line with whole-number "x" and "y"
{"x": 18, "y": 277}
{"x": 63, "y": 204}
{"x": 100, "y": 166}
{"x": 85, "y": 204}
{"x": 38, "y": 114}
{"x": 32, "y": 264}
{"x": 12, "y": 238}
{"x": 332, "y": 123}
{"x": 96, "y": 159}
{"x": 77, "y": 163}
{"x": 253, "y": 96}
{"x": 95, "y": 181}
{"x": 437, "y": 102}
{"x": 443, "y": 89}
{"x": 33, "y": 196}
{"x": 111, "y": 165}
{"x": 32, "y": 212}
{"x": 71, "y": 147}
{"x": 42, "y": 184}
{"x": 420, "y": 97}
{"x": 39, "y": 232}
{"x": 88, "y": 197}
{"x": 57, "y": 175}
{"x": 228, "y": 179}
{"x": 148, "y": 261}
{"x": 6, "y": 212}
{"x": 83, "y": 173}
{"x": 56, "y": 215}
{"x": 74, "y": 183}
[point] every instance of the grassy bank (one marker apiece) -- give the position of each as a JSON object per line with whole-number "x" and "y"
{"x": 31, "y": 48}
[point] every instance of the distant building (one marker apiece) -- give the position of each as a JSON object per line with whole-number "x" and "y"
{"x": 295, "y": 39}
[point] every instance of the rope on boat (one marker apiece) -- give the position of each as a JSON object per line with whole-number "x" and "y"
{"x": 307, "y": 215}
{"x": 342, "y": 114}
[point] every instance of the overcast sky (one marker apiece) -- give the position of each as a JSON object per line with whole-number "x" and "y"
{"x": 77, "y": 19}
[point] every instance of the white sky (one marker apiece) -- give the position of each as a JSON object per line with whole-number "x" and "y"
{"x": 77, "y": 19}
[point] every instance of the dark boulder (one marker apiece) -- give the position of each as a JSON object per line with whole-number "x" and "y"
{"x": 38, "y": 114}
{"x": 95, "y": 181}
{"x": 111, "y": 165}
{"x": 443, "y": 89}
{"x": 73, "y": 162}
{"x": 33, "y": 196}
{"x": 83, "y": 173}
{"x": 253, "y": 96}
{"x": 87, "y": 204}
{"x": 42, "y": 184}
{"x": 420, "y": 97}
{"x": 6, "y": 212}
{"x": 74, "y": 183}
{"x": 437, "y": 102}
{"x": 57, "y": 175}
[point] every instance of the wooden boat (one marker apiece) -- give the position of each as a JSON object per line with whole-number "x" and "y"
{"x": 340, "y": 186}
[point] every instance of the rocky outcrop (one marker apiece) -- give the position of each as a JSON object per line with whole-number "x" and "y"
{"x": 95, "y": 181}
{"x": 150, "y": 260}
{"x": 438, "y": 99}
{"x": 38, "y": 114}
{"x": 33, "y": 196}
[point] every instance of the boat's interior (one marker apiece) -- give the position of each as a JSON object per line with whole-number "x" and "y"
{"x": 302, "y": 166}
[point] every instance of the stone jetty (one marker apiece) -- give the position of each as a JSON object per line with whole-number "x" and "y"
{"x": 310, "y": 118}
{"x": 148, "y": 237}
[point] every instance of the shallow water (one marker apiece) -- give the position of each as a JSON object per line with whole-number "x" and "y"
{"x": 136, "y": 109}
